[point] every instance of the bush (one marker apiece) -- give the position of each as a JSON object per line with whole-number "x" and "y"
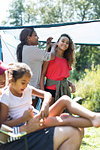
{"x": 89, "y": 89}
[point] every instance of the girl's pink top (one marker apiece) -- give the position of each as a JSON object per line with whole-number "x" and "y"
{"x": 58, "y": 69}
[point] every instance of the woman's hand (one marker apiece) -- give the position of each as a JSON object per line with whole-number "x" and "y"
{"x": 33, "y": 124}
{"x": 49, "y": 44}
{"x": 49, "y": 40}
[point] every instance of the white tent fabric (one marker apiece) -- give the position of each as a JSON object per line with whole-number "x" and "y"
{"x": 88, "y": 33}
{"x": 84, "y": 33}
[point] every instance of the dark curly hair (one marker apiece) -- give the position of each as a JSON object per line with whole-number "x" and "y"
{"x": 69, "y": 53}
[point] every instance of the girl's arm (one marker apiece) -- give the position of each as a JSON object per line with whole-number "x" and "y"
{"x": 44, "y": 69}
{"x": 44, "y": 112}
{"x": 4, "y": 116}
{"x": 3, "y": 112}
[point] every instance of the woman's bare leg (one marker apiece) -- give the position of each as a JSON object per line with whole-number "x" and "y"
{"x": 67, "y": 121}
{"x": 75, "y": 108}
{"x": 67, "y": 138}
{"x": 82, "y": 132}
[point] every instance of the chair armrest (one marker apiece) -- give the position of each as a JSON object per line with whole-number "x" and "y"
{"x": 6, "y": 132}
{"x": 12, "y": 134}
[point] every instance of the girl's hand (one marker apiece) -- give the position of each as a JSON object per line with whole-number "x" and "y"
{"x": 44, "y": 112}
{"x": 28, "y": 114}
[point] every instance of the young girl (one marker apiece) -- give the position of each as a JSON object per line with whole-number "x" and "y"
{"x": 17, "y": 98}
{"x": 58, "y": 69}
{"x": 18, "y": 94}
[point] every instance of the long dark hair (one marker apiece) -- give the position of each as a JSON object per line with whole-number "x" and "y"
{"x": 23, "y": 38}
{"x": 69, "y": 53}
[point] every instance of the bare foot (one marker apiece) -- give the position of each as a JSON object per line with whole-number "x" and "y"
{"x": 96, "y": 120}
{"x": 64, "y": 115}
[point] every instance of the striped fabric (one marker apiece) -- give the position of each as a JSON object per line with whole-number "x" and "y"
{"x": 15, "y": 131}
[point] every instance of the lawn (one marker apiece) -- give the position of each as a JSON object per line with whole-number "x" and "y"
{"x": 91, "y": 140}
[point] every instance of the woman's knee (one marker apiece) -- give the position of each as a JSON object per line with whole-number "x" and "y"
{"x": 65, "y": 133}
{"x": 82, "y": 132}
{"x": 77, "y": 134}
{"x": 77, "y": 139}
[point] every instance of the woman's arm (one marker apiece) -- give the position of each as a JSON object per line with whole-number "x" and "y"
{"x": 51, "y": 48}
{"x": 49, "y": 44}
{"x": 53, "y": 51}
{"x": 32, "y": 125}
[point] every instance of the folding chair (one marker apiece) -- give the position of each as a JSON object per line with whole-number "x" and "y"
{"x": 5, "y": 134}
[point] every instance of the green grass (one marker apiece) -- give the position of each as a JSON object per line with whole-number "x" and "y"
{"x": 91, "y": 140}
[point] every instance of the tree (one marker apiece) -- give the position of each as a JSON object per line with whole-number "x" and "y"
{"x": 16, "y": 12}
{"x": 96, "y": 8}
{"x": 46, "y": 12}
{"x": 31, "y": 12}
{"x": 83, "y": 9}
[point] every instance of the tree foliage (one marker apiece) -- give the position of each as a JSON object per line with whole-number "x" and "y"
{"x": 96, "y": 8}
{"x": 85, "y": 57}
{"x": 16, "y": 12}
{"x": 47, "y": 12}
{"x": 89, "y": 89}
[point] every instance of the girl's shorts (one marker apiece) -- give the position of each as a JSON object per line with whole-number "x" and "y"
{"x": 53, "y": 92}
{"x": 39, "y": 140}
